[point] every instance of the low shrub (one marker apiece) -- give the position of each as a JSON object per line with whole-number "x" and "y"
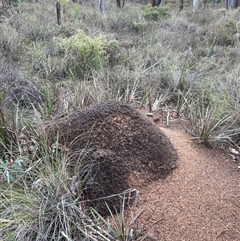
{"x": 155, "y": 13}
{"x": 112, "y": 52}
{"x": 64, "y": 4}
{"x": 227, "y": 34}
{"x": 138, "y": 26}
{"x": 83, "y": 54}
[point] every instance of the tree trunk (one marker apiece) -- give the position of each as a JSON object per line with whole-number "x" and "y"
{"x": 118, "y": 3}
{"x": 195, "y": 5}
{"x": 158, "y": 2}
{"x": 58, "y": 8}
{"x": 153, "y": 3}
{"x": 230, "y": 4}
{"x": 235, "y": 3}
{"x": 181, "y": 5}
{"x": 163, "y": 3}
{"x": 101, "y": 6}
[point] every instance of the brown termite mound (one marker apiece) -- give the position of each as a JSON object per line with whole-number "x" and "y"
{"x": 118, "y": 149}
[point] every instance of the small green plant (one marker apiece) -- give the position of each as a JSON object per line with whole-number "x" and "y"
{"x": 64, "y": 4}
{"x": 137, "y": 26}
{"x": 111, "y": 52}
{"x": 182, "y": 100}
{"x": 230, "y": 23}
{"x": 225, "y": 34}
{"x": 209, "y": 117}
{"x": 81, "y": 53}
{"x": 155, "y": 13}
{"x": 121, "y": 227}
{"x": 207, "y": 125}
{"x": 77, "y": 9}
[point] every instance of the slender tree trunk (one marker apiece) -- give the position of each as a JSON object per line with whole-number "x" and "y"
{"x": 118, "y": 3}
{"x": 181, "y": 5}
{"x": 163, "y": 3}
{"x": 158, "y": 2}
{"x": 101, "y": 6}
{"x": 195, "y": 5}
{"x": 153, "y": 3}
{"x": 58, "y": 8}
{"x": 235, "y": 3}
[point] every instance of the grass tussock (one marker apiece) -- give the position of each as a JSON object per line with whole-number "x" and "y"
{"x": 159, "y": 57}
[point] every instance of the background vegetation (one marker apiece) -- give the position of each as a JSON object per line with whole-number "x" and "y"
{"x": 180, "y": 61}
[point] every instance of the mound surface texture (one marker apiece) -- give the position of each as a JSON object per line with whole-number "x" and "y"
{"x": 118, "y": 146}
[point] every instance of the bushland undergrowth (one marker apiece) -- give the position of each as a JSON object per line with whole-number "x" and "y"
{"x": 185, "y": 61}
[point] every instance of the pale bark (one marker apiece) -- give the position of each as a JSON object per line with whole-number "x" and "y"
{"x": 230, "y": 4}
{"x": 195, "y": 5}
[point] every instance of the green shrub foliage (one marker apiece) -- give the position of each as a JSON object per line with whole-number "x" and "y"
{"x": 155, "y": 13}
{"x": 81, "y": 53}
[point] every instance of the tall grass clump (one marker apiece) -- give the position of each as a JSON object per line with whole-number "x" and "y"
{"x": 40, "y": 197}
{"x": 211, "y": 112}
{"x": 123, "y": 225}
{"x": 38, "y": 205}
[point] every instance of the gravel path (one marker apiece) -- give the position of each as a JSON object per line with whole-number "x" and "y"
{"x": 199, "y": 201}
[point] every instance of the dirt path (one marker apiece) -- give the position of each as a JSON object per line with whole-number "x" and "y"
{"x": 199, "y": 201}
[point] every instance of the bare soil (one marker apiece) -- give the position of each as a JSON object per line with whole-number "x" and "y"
{"x": 200, "y": 200}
